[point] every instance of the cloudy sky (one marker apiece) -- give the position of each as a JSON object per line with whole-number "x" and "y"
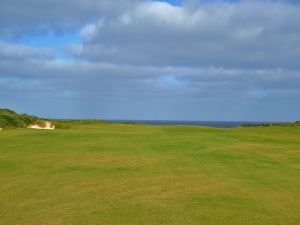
{"x": 145, "y": 59}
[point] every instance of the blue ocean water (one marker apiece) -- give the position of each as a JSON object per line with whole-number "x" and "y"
{"x": 218, "y": 124}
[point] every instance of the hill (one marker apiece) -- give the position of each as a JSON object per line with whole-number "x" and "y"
{"x": 11, "y": 119}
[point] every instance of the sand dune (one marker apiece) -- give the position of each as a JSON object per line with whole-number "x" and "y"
{"x": 47, "y": 126}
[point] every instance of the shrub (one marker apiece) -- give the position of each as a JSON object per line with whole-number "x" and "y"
{"x": 9, "y": 118}
{"x": 62, "y": 125}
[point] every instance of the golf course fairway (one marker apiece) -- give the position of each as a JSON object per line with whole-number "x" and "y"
{"x": 135, "y": 174}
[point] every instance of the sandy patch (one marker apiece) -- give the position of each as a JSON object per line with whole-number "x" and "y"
{"x": 47, "y": 126}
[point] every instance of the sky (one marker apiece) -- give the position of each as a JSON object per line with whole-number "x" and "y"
{"x": 217, "y": 60}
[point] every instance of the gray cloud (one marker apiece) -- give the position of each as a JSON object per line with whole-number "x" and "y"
{"x": 21, "y": 52}
{"x": 115, "y": 91}
{"x": 31, "y": 16}
{"x": 245, "y": 34}
{"x": 151, "y": 60}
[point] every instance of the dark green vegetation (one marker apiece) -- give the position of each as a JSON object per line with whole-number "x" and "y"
{"x": 11, "y": 119}
{"x": 293, "y": 124}
{"x": 114, "y": 174}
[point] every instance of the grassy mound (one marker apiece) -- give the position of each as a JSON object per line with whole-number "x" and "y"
{"x": 11, "y": 119}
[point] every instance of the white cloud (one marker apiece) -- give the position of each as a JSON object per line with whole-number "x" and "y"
{"x": 244, "y": 34}
{"x": 88, "y": 32}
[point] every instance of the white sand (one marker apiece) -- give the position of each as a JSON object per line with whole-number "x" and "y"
{"x": 48, "y": 126}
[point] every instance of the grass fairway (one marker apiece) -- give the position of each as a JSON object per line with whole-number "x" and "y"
{"x": 114, "y": 174}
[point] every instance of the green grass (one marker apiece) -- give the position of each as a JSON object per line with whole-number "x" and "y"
{"x": 114, "y": 174}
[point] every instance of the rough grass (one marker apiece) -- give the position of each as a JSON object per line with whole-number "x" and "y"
{"x": 114, "y": 174}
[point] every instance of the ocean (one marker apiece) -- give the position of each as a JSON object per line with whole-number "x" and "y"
{"x": 218, "y": 124}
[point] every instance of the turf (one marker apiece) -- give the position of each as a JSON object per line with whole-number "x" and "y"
{"x": 114, "y": 174}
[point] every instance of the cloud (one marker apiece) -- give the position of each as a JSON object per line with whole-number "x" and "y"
{"x": 31, "y": 16}
{"x": 244, "y": 34}
{"x": 154, "y": 92}
{"x": 154, "y": 60}
{"x": 21, "y": 52}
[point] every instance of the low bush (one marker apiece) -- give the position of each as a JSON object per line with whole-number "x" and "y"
{"x": 11, "y": 119}
{"x": 62, "y": 125}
